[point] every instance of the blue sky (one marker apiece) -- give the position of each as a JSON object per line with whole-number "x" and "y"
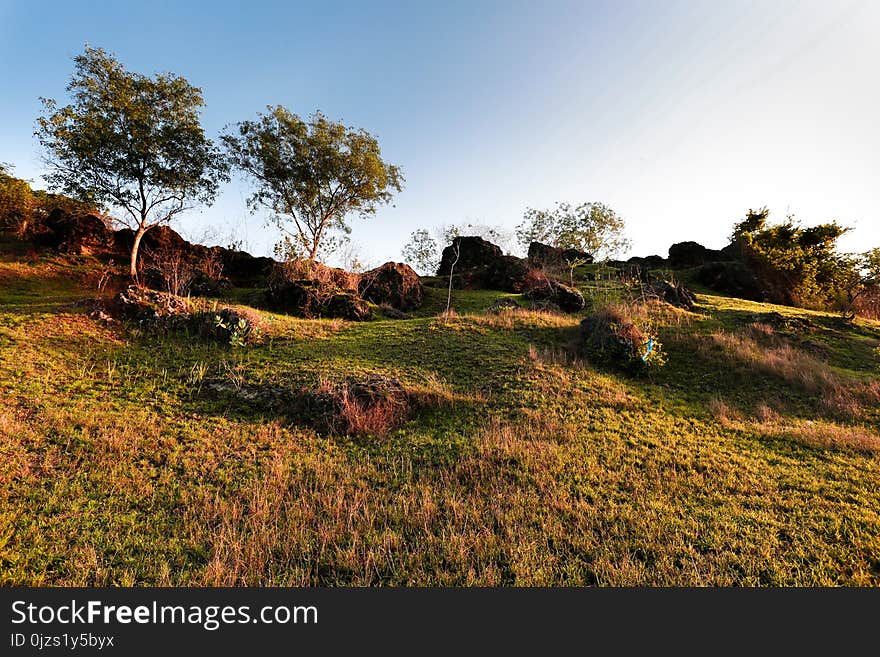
{"x": 680, "y": 115}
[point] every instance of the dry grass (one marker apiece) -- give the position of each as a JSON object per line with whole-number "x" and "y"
{"x": 523, "y": 318}
{"x": 762, "y": 350}
{"x": 377, "y": 405}
{"x": 316, "y": 521}
{"x": 769, "y": 423}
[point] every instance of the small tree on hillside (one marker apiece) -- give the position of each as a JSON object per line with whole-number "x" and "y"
{"x": 858, "y": 278}
{"x": 16, "y": 201}
{"x": 132, "y": 142}
{"x": 421, "y": 252}
{"x": 497, "y": 235}
{"x": 311, "y": 174}
{"x": 593, "y": 228}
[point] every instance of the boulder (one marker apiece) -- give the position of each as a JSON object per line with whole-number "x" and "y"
{"x": 244, "y": 270}
{"x": 77, "y": 234}
{"x": 733, "y": 278}
{"x": 674, "y": 293}
{"x": 544, "y": 255}
{"x": 507, "y": 273}
{"x": 306, "y": 299}
{"x": 567, "y": 298}
{"x": 545, "y": 306}
{"x": 141, "y": 304}
{"x": 648, "y": 262}
{"x": 376, "y": 388}
{"x": 474, "y": 253}
{"x": 481, "y": 264}
{"x": 684, "y": 255}
{"x": 395, "y": 284}
{"x": 203, "y": 285}
{"x": 346, "y": 306}
{"x": 298, "y": 298}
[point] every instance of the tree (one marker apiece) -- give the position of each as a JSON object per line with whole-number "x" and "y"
{"x": 312, "y": 174}
{"x": 16, "y": 201}
{"x": 858, "y": 278}
{"x": 132, "y": 142}
{"x": 795, "y": 265}
{"x": 497, "y": 235}
{"x": 593, "y": 228}
{"x": 421, "y": 252}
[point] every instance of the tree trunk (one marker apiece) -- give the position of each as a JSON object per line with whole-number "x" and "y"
{"x": 134, "y": 253}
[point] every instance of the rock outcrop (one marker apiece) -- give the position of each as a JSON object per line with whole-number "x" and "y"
{"x": 544, "y": 255}
{"x": 482, "y": 264}
{"x": 394, "y": 284}
{"x": 567, "y": 298}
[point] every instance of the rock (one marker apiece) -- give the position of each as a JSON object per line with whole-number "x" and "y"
{"x": 506, "y": 273}
{"x": 474, "y": 253}
{"x": 142, "y": 304}
{"x": 395, "y": 284}
{"x": 295, "y": 298}
{"x": 244, "y": 270}
{"x": 482, "y": 265}
{"x": 100, "y": 315}
{"x": 204, "y": 286}
{"x": 346, "y": 306}
{"x": 312, "y": 299}
{"x": 504, "y": 304}
{"x": 648, "y": 262}
{"x": 684, "y": 255}
{"x": 156, "y": 239}
{"x": 674, "y": 294}
{"x": 165, "y": 238}
{"x": 733, "y": 278}
{"x": 78, "y": 234}
{"x": 544, "y": 255}
{"x": 569, "y": 255}
{"x": 567, "y": 298}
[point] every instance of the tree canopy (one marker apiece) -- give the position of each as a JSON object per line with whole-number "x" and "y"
{"x": 421, "y": 252}
{"x": 798, "y": 265}
{"x": 131, "y": 142}
{"x": 593, "y": 228}
{"x": 312, "y": 174}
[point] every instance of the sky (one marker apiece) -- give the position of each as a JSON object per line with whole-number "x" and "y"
{"x": 679, "y": 115}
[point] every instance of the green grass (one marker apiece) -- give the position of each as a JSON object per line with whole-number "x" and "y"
{"x": 120, "y": 465}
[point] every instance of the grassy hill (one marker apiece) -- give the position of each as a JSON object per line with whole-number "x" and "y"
{"x": 127, "y": 457}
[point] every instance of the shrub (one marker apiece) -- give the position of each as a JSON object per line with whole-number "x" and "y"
{"x": 232, "y": 327}
{"x": 620, "y": 334}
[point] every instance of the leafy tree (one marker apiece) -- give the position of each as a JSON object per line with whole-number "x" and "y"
{"x": 497, "y": 235}
{"x": 858, "y": 278}
{"x": 593, "y": 228}
{"x": 130, "y": 141}
{"x": 312, "y": 174}
{"x": 797, "y": 265}
{"x": 16, "y": 201}
{"x": 421, "y": 252}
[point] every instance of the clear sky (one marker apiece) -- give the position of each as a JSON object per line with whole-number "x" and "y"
{"x": 680, "y": 115}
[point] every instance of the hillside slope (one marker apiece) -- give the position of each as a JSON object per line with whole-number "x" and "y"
{"x": 133, "y": 458}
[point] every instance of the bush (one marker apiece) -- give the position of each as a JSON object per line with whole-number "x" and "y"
{"x": 620, "y": 335}
{"x": 228, "y": 326}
